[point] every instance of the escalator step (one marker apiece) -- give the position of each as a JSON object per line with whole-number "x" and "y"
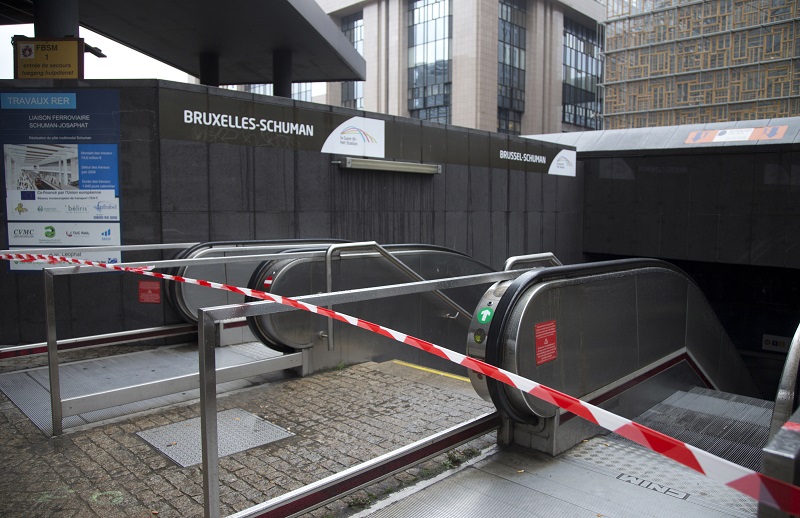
{"x": 730, "y": 426}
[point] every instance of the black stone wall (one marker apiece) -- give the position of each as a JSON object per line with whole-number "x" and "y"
{"x": 176, "y": 191}
{"x": 735, "y": 205}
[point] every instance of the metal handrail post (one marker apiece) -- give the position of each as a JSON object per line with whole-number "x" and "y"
{"x": 329, "y": 279}
{"x": 52, "y": 352}
{"x": 543, "y": 257}
{"x": 787, "y": 387}
{"x": 207, "y": 341}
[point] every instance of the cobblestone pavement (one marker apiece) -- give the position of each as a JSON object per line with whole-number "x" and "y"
{"x": 340, "y": 418}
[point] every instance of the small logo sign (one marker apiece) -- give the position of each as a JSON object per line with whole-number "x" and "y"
{"x": 484, "y": 315}
{"x": 652, "y": 486}
{"x": 26, "y": 51}
{"x": 357, "y": 136}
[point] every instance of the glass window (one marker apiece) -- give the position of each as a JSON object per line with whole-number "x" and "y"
{"x": 581, "y": 100}
{"x": 511, "y": 35}
{"x": 429, "y": 60}
{"x": 353, "y": 91}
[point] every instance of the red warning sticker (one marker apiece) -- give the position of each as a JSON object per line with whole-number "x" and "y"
{"x": 150, "y": 292}
{"x": 546, "y": 348}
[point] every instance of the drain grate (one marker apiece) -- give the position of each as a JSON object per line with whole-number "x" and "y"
{"x": 237, "y": 431}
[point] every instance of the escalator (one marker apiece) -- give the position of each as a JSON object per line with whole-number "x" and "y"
{"x": 636, "y": 337}
{"x": 303, "y": 267}
{"x": 186, "y": 299}
{"x": 436, "y": 316}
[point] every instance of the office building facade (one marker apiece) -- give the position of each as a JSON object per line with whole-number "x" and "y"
{"x": 508, "y": 66}
{"x": 672, "y": 62}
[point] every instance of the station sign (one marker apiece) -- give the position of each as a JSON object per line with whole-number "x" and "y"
{"x": 36, "y": 58}
{"x": 278, "y": 123}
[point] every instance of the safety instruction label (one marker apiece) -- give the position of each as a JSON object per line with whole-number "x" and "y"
{"x": 150, "y": 292}
{"x": 546, "y": 343}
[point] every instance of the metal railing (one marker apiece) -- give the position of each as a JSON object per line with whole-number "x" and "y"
{"x": 208, "y": 319}
{"x": 542, "y": 260}
{"x": 245, "y": 248}
{"x": 372, "y": 246}
{"x": 786, "y": 397}
{"x": 780, "y": 458}
{"x": 61, "y": 408}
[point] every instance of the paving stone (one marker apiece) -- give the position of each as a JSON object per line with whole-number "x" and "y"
{"x": 339, "y": 418}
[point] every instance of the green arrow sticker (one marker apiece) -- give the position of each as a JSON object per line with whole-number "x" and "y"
{"x": 485, "y": 315}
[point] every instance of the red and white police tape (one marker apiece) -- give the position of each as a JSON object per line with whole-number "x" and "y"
{"x": 762, "y": 488}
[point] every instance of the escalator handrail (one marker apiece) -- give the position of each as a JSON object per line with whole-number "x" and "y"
{"x": 786, "y": 398}
{"x": 401, "y": 266}
{"x": 174, "y": 289}
{"x": 545, "y": 257}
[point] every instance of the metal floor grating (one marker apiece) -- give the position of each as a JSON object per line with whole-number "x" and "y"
{"x": 237, "y": 431}
{"x": 730, "y": 426}
{"x": 29, "y": 390}
{"x": 603, "y": 476}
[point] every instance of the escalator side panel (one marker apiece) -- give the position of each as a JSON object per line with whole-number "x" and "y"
{"x": 422, "y": 315}
{"x": 661, "y": 309}
{"x": 606, "y": 325}
{"x": 708, "y": 342}
{"x": 704, "y": 335}
{"x": 188, "y": 298}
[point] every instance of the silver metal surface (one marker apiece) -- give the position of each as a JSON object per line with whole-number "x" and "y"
{"x": 611, "y": 325}
{"x": 121, "y": 337}
{"x": 383, "y": 466}
{"x": 52, "y": 354}
{"x": 238, "y": 431}
{"x": 208, "y": 339}
{"x": 781, "y": 460}
{"x": 56, "y": 405}
{"x": 604, "y": 476}
{"x": 532, "y": 261}
{"x": 727, "y": 425}
{"x": 169, "y": 263}
{"x": 233, "y": 311}
{"x": 29, "y": 389}
{"x": 476, "y": 336}
{"x": 372, "y": 246}
{"x": 171, "y": 385}
{"x": 411, "y": 309}
{"x": 787, "y": 387}
{"x": 232, "y": 265}
{"x": 122, "y": 248}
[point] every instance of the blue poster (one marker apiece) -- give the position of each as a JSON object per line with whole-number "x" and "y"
{"x": 61, "y": 165}
{"x": 98, "y": 167}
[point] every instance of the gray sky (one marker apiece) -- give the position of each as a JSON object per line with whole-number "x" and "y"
{"x": 121, "y": 63}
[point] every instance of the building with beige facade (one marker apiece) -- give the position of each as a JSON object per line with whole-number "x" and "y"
{"x": 513, "y": 66}
{"x": 671, "y": 62}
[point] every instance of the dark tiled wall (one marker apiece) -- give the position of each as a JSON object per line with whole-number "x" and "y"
{"x": 740, "y": 207}
{"x": 176, "y": 191}
{"x": 223, "y": 192}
